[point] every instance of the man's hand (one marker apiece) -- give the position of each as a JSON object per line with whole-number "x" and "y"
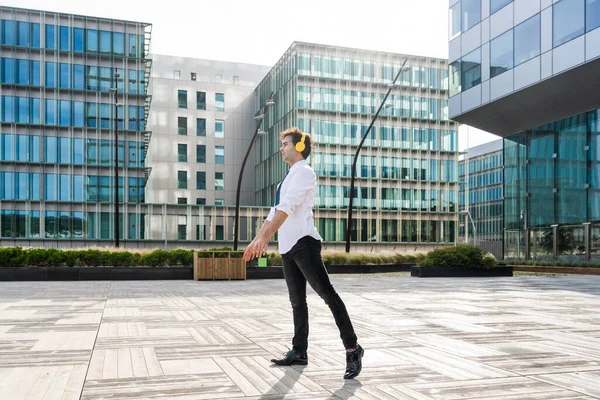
{"x": 257, "y": 248}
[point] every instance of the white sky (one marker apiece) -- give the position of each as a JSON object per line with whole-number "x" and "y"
{"x": 259, "y": 31}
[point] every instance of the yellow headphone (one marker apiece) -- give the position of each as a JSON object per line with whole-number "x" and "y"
{"x": 300, "y": 146}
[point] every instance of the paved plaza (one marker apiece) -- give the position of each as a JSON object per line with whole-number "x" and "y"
{"x": 439, "y": 338}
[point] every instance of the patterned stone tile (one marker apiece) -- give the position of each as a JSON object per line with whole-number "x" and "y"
{"x": 534, "y": 338}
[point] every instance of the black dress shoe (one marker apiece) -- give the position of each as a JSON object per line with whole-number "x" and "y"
{"x": 292, "y": 357}
{"x": 354, "y": 363}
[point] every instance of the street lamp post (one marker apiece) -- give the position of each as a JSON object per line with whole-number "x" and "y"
{"x": 468, "y": 214}
{"x": 353, "y": 173}
{"x": 259, "y": 118}
{"x": 116, "y": 126}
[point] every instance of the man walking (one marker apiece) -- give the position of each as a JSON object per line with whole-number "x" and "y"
{"x": 300, "y": 249}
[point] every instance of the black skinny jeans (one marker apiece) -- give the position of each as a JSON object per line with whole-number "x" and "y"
{"x": 303, "y": 263}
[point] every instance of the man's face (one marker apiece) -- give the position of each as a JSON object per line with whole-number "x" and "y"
{"x": 288, "y": 151}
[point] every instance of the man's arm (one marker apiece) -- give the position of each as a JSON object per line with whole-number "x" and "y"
{"x": 258, "y": 247}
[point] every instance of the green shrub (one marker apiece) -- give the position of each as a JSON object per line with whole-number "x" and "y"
{"x": 273, "y": 259}
{"x": 11, "y": 256}
{"x": 462, "y": 256}
{"x": 157, "y": 258}
{"x": 35, "y": 257}
{"x": 181, "y": 257}
{"x": 55, "y": 257}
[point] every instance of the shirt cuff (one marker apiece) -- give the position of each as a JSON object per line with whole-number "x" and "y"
{"x": 271, "y": 214}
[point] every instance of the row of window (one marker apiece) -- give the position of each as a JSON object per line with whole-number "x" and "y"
{"x": 70, "y": 76}
{"x": 392, "y": 231}
{"x": 68, "y": 224}
{"x": 182, "y": 153}
{"x": 343, "y": 68}
{"x": 79, "y": 114}
{"x": 72, "y": 151}
{"x": 339, "y": 100}
{"x": 387, "y": 199}
{"x": 485, "y": 179}
{"x": 182, "y": 180}
{"x": 482, "y": 164}
{"x": 94, "y": 225}
{"x": 333, "y": 132}
{"x": 182, "y": 127}
{"x": 67, "y": 187}
{"x": 332, "y": 164}
{"x": 182, "y": 100}
{"x": 571, "y": 18}
{"x": 66, "y": 38}
{"x": 485, "y": 195}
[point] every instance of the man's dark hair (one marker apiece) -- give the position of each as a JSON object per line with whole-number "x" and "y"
{"x": 296, "y": 135}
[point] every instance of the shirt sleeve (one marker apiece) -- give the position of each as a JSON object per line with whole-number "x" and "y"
{"x": 299, "y": 186}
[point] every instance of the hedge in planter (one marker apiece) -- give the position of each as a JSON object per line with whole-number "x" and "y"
{"x": 462, "y": 260}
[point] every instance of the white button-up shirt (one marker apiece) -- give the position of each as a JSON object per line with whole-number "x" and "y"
{"x": 297, "y": 198}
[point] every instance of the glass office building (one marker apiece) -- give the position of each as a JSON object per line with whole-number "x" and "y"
{"x": 57, "y": 147}
{"x": 407, "y": 173}
{"x": 480, "y": 172}
{"x": 528, "y": 71}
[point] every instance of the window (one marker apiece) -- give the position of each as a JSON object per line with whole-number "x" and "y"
{"x": 200, "y": 180}
{"x": 201, "y": 100}
{"x": 568, "y": 21}
{"x": 219, "y": 102}
{"x": 471, "y": 69}
{"x": 200, "y": 153}
{"x": 496, "y": 5}
{"x": 592, "y": 14}
{"x": 454, "y": 75}
{"x": 50, "y": 37}
{"x": 181, "y": 179}
{"x": 219, "y": 154}
{"x": 219, "y": 181}
{"x": 201, "y": 201}
{"x": 50, "y": 74}
{"x": 181, "y": 232}
{"x": 91, "y": 40}
{"x": 182, "y": 99}
{"x": 471, "y": 14}
{"x": 182, "y": 200}
{"x": 182, "y": 126}
{"x": 527, "y": 40}
{"x": 501, "y": 54}
{"x": 193, "y": 76}
{"x": 182, "y": 152}
{"x": 78, "y": 40}
{"x": 219, "y": 128}
{"x": 219, "y": 202}
{"x": 200, "y": 127}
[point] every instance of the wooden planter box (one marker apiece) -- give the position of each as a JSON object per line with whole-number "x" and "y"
{"x": 218, "y": 268}
{"x": 443, "y": 272}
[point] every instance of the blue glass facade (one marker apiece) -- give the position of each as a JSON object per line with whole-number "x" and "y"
{"x": 57, "y": 147}
{"x": 552, "y": 188}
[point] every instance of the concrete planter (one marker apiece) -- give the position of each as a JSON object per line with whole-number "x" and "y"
{"x": 93, "y": 273}
{"x": 444, "y": 272}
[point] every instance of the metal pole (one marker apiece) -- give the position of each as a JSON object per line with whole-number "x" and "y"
{"x": 353, "y": 173}
{"x": 239, "y": 184}
{"x": 116, "y": 163}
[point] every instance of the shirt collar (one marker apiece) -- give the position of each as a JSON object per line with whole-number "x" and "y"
{"x": 298, "y": 164}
